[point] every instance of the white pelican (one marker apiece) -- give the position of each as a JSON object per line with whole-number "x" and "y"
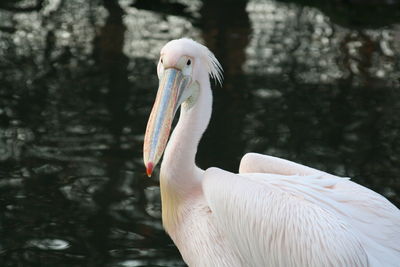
{"x": 273, "y": 212}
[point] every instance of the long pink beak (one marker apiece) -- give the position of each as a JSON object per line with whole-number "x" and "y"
{"x": 161, "y": 116}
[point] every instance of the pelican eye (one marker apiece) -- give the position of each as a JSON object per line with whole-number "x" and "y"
{"x": 161, "y": 61}
{"x": 188, "y": 62}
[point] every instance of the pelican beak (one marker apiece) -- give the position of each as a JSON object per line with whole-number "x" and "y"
{"x": 169, "y": 97}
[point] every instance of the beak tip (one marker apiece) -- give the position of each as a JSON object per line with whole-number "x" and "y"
{"x": 149, "y": 169}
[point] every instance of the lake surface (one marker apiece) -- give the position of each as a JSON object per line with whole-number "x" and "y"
{"x": 315, "y": 83}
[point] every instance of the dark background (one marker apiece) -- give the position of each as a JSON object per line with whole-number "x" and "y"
{"x": 316, "y": 82}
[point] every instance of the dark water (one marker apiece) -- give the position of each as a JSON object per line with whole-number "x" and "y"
{"x": 317, "y": 82}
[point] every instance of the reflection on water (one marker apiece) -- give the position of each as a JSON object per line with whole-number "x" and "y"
{"x": 78, "y": 80}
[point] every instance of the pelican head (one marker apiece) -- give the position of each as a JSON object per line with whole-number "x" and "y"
{"x": 181, "y": 65}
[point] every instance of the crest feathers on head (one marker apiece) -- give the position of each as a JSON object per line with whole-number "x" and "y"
{"x": 214, "y": 67}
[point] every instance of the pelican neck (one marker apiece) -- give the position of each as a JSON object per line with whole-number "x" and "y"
{"x": 178, "y": 165}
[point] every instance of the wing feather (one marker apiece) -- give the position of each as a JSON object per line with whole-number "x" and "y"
{"x": 314, "y": 220}
{"x": 258, "y": 163}
{"x": 373, "y": 216}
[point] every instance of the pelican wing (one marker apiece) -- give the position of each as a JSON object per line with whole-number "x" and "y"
{"x": 313, "y": 220}
{"x": 373, "y": 215}
{"x": 258, "y": 163}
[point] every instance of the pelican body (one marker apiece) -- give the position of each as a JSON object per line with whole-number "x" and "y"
{"x": 273, "y": 212}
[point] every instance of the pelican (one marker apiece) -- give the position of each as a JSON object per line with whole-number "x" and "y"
{"x": 274, "y": 212}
